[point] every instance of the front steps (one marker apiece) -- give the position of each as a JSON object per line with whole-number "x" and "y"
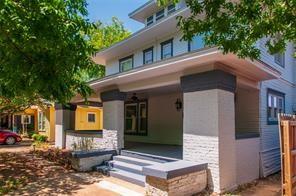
{"x": 128, "y": 166}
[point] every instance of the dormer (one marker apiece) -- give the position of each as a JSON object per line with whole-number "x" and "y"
{"x": 150, "y": 12}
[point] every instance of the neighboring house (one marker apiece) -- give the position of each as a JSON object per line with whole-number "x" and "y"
{"x": 206, "y": 106}
{"x": 38, "y": 119}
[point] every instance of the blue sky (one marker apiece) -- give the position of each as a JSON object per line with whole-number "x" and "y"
{"x": 104, "y": 10}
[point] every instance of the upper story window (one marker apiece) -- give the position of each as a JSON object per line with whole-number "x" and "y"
{"x": 279, "y": 58}
{"x": 126, "y": 63}
{"x": 167, "y": 49}
{"x": 159, "y": 14}
{"x": 171, "y": 8}
{"x": 275, "y": 105}
{"x": 149, "y": 20}
{"x": 148, "y": 56}
{"x": 196, "y": 43}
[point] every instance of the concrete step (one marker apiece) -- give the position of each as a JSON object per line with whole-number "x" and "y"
{"x": 137, "y": 169}
{"x": 128, "y": 176}
{"x": 135, "y": 161}
{"x": 145, "y": 156}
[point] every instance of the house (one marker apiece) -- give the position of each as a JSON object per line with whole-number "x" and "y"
{"x": 171, "y": 98}
{"x": 33, "y": 119}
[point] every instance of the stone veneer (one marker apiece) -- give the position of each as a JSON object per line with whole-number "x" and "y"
{"x": 91, "y": 141}
{"x": 187, "y": 184}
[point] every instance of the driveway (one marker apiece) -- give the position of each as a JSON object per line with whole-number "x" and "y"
{"x": 23, "y": 146}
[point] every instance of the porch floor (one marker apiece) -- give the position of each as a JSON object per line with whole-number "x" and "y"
{"x": 163, "y": 150}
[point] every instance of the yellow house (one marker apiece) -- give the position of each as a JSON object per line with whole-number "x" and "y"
{"x": 38, "y": 119}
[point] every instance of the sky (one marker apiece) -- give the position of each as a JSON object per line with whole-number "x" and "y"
{"x": 104, "y": 10}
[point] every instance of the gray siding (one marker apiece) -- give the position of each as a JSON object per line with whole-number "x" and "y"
{"x": 269, "y": 141}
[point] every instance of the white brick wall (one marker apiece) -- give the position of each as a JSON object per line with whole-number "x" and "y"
{"x": 209, "y": 135}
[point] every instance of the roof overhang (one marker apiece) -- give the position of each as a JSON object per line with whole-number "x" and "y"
{"x": 144, "y": 11}
{"x": 182, "y": 64}
{"x": 146, "y": 36}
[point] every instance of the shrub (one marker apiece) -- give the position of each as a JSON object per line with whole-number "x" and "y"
{"x": 31, "y": 133}
{"x": 39, "y": 138}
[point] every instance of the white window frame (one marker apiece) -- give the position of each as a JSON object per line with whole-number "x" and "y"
{"x": 148, "y": 21}
{"x": 23, "y": 117}
{"x": 41, "y": 124}
{"x": 160, "y": 16}
{"x": 124, "y": 60}
{"x": 172, "y": 10}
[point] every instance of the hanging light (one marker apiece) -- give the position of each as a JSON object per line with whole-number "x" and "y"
{"x": 134, "y": 97}
{"x": 178, "y": 104}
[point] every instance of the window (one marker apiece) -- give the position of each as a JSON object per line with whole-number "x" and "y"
{"x": 26, "y": 119}
{"x": 171, "y": 8}
{"x": 136, "y": 118}
{"x": 41, "y": 121}
{"x": 149, "y": 20}
{"x": 159, "y": 14}
{"x": 167, "y": 49}
{"x": 148, "y": 56}
{"x": 275, "y": 105}
{"x": 126, "y": 63}
{"x": 196, "y": 43}
{"x": 91, "y": 117}
{"x": 279, "y": 58}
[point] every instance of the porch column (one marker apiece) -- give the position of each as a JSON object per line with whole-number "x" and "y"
{"x": 113, "y": 116}
{"x": 209, "y": 125}
{"x": 64, "y": 120}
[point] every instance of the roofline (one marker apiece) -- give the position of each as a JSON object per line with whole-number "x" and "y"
{"x": 141, "y": 8}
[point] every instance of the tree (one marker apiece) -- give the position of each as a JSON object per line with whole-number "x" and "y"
{"x": 236, "y": 26}
{"x": 103, "y": 36}
{"x": 43, "y": 51}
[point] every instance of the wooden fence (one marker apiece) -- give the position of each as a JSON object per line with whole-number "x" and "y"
{"x": 287, "y": 127}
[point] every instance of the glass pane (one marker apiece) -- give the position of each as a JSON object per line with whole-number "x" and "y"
{"x": 149, "y": 20}
{"x": 159, "y": 14}
{"x": 143, "y": 117}
{"x": 126, "y": 64}
{"x": 171, "y": 8}
{"x": 275, "y": 102}
{"x": 148, "y": 57}
{"x": 197, "y": 43}
{"x": 91, "y": 118}
{"x": 131, "y": 118}
{"x": 167, "y": 50}
{"x": 269, "y": 101}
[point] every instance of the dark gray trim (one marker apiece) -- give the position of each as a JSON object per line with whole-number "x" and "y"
{"x": 278, "y": 93}
{"x": 125, "y": 58}
{"x": 216, "y": 79}
{"x": 84, "y": 154}
{"x": 68, "y": 106}
{"x": 113, "y": 95}
{"x": 89, "y": 103}
{"x": 147, "y": 50}
{"x": 173, "y": 169}
{"x": 239, "y": 136}
{"x": 171, "y": 41}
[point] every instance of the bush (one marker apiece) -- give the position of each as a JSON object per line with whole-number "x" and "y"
{"x": 31, "y": 133}
{"x": 39, "y": 138}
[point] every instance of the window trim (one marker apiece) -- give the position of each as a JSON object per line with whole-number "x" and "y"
{"x": 284, "y": 59}
{"x": 123, "y": 59}
{"x": 137, "y": 126}
{"x": 147, "y": 50}
{"x": 172, "y": 47}
{"x": 277, "y": 93}
{"x": 39, "y": 128}
{"x": 88, "y": 113}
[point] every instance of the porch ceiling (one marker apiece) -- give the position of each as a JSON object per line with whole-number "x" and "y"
{"x": 170, "y": 70}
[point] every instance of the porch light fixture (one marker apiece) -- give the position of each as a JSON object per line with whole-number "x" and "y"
{"x": 134, "y": 97}
{"x": 178, "y": 104}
